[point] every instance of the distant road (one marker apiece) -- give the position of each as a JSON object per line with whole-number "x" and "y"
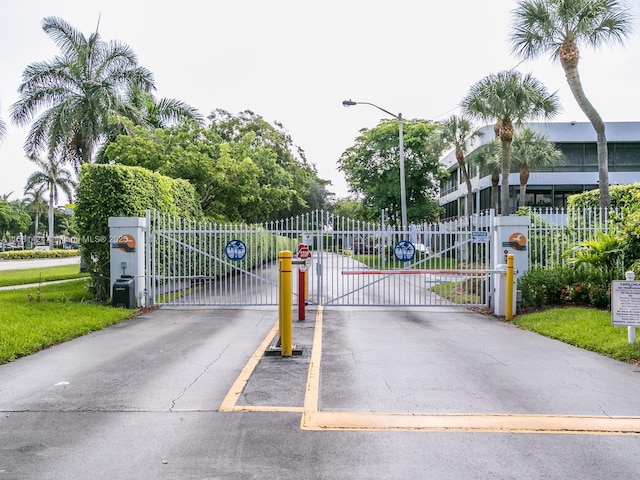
{"x": 37, "y": 263}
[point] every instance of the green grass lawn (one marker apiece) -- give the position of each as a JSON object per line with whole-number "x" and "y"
{"x": 37, "y": 275}
{"x": 35, "y": 318}
{"x": 586, "y": 328}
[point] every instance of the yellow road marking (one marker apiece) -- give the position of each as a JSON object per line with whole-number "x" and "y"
{"x": 495, "y": 423}
{"x": 312, "y": 419}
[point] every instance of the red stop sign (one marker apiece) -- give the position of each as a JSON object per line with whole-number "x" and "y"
{"x": 304, "y": 254}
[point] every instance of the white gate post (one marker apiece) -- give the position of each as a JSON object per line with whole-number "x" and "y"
{"x": 127, "y": 247}
{"x": 510, "y": 236}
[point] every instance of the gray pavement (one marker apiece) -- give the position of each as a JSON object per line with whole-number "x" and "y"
{"x": 376, "y": 393}
{"x": 38, "y": 263}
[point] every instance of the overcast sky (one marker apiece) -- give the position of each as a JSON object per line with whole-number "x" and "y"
{"x": 295, "y": 61}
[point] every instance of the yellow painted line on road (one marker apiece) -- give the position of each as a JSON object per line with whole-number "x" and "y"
{"x": 486, "y": 423}
{"x": 264, "y": 408}
{"x": 312, "y": 419}
{"x": 230, "y": 400}
{"x": 313, "y": 378}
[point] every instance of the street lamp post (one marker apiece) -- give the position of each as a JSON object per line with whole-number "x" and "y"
{"x": 403, "y": 191}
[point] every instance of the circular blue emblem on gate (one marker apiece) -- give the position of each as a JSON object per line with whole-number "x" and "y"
{"x": 236, "y": 250}
{"x": 404, "y": 251}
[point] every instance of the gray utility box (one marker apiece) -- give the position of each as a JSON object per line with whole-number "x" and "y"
{"x": 124, "y": 292}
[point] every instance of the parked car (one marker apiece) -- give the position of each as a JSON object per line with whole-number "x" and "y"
{"x": 364, "y": 247}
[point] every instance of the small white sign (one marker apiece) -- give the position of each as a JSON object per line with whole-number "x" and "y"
{"x": 625, "y": 303}
{"x": 479, "y": 237}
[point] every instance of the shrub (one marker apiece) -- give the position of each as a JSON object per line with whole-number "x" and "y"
{"x": 114, "y": 190}
{"x": 29, "y": 254}
{"x": 542, "y": 287}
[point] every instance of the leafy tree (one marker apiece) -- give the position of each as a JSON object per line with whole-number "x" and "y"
{"x": 508, "y": 98}
{"x": 532, "y": 150}
{"x": 352, "y": 209}
{"x": 560, "y": 28}
{"x": 53, "y": 177}
{"x": 371, "y": 168}
{"x": 12, "y": 220}
{"x": 78, "y": 90}
{"x": 238, "y": 177}
{"x": 141, "y": 108}
{"x": 459, "y": 133}
{"x": 309, "y": 192}
{"x": 487, "y": 159}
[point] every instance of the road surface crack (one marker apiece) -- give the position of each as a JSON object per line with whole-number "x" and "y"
{"x": 195, "y": 380}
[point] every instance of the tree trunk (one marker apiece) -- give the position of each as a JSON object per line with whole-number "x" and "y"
{"x": 524, "y": 179}
{"x": 50, "y": 220}
{"x": 469, "y": 197}
{"x": 569, "y": 60}
{"x": 495, "y": 181}
{"x": 465, "y": 176}
{"x": 506, "y": 170}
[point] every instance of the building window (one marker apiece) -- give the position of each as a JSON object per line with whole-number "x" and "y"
{"x": 624, "y": 157}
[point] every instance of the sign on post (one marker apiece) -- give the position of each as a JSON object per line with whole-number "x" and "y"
{"x": 625, "y": 303}
{"x": 304, "y": 254}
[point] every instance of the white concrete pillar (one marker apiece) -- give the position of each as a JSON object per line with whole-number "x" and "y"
{"x": 510, "y": 236}
{"x": 127, "y": 247}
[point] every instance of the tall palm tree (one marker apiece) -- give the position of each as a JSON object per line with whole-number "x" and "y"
{"x": 508, "y": 98}
{"x": 53, "y": 177}
{"x": 460, "y": 133}
{"x": 532, "y": 150}
{"x": 34, "y": 198}
{"x": 560, "y": 28}
{"x": 487, "y": 159}
{"x": 78, "y": 90}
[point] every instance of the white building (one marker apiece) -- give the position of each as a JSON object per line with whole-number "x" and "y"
{"x": 550, "y": 187}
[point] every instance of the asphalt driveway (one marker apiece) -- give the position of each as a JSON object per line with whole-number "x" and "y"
{"x": 375, "y": 393}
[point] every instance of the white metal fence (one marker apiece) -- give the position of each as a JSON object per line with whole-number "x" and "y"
{"x": 353, "y": 262}
{"x": 554, "y": 231}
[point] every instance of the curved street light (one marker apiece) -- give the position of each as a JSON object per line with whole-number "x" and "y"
{"x": 403, "y": 192}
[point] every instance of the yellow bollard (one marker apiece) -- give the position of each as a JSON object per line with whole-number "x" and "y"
{"x": 509, "y": 293}
{"x": 285, "y": 308}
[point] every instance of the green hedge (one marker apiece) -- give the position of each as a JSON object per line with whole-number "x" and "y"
{"x": 29, "y": 254}
{"x": 114, "y": 190}
{"x": 622, "y": 197}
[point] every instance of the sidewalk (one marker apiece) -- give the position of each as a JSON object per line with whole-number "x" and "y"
{"x": 37, "y": 263}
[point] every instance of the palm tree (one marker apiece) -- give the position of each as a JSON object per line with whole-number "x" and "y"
{"x": 508, "y": 98}
{"x": 532, "y": 150}
{"x": 162, "y": 113}
{"x": 140, "y": 107}
{"x": 560, "y": 28}
{"x": 79, "y": 90}
{"x": 459, "y": 132}
{"x": 34, "y": 198}
{"x": 487, "y": 159}
{"x": 53, "y": 177}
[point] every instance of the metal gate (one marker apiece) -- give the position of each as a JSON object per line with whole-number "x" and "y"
{"x": 353, "y": 263}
